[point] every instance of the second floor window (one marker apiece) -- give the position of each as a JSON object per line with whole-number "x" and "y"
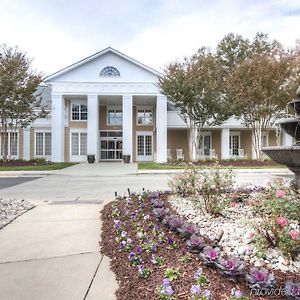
{"x": 114, "y": 116}
{"x": 144, "y": 116}
{"x": 79, "y": 112}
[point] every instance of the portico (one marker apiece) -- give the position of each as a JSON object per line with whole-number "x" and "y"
{"x": 109, "y": 126}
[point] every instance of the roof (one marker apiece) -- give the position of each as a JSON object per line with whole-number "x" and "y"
{"x": 96, "y": 55}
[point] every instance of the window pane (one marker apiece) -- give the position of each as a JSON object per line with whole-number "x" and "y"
{"x": 83, "y": 108}
{"x": 13, "y": 143}
{"x": 115, "y": 117}
{"x": 140, "y": 145}
{"x": 39, "y": 137}
{"x": 48, "y": 143}
{"x": 75, "y": 143}
{"x": 75, "y": 112}
{"x": 148, "y": 144}
{"x": 83, "y": 144}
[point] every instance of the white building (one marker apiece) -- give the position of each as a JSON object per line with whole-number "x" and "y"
{"x": 109, "y": 104}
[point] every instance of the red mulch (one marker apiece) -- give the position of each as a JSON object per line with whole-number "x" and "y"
{"x": 131, "y": 286}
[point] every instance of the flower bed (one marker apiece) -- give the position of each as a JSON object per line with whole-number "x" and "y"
{"x": 155, "y": 255}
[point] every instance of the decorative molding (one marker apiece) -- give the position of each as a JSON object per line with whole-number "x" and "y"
{"x": 104, "y": 88}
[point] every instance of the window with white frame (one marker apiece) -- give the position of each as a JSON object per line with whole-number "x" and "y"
{"x": 234, "y": 143}
{"x": 114, "y": 116}
{"x": 144, "y": 116}
{"x": 78, "y": 143}
{"x": 43, "y": 143}
{"x": 12, "y": 144}
{"x": 79, "y": 112}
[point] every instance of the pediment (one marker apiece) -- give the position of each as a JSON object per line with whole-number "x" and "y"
{"x": 108, "y": 65}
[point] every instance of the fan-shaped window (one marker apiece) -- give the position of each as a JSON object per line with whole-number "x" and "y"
{"x": 109, "y": 71}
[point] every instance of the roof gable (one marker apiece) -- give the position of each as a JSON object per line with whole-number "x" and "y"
{"x": 106, "y": 65}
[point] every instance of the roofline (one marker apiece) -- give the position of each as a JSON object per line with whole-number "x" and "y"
{"x": 95, "y": 55}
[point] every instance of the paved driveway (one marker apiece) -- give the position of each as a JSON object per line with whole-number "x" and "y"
{"x": 12, "y": 181}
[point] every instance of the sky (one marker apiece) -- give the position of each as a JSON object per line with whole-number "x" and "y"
{"x": 57, "y": 33}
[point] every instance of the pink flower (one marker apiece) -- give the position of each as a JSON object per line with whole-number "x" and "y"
{"x": 279, "y": 178}
{"x": 294, "y": 234}
{"x": 280, "y": 194}
{"x": 281, "y": 221}
{"x": 233, "y": 204}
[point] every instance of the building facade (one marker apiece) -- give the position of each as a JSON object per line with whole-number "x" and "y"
{"x": 110, "y": 105}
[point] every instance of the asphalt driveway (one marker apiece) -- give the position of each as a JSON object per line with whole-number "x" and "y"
{"x": 12, "y": 181}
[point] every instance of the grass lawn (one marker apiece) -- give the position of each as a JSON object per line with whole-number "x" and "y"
{"x": 157, "y": 166}
{"x": 46, "y": 167}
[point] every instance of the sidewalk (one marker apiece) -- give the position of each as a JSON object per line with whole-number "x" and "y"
{"x": 52, "y": 252}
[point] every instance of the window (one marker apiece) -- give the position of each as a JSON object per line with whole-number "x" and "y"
{"x": 78, "y": 143}
{"x": 234, "y": 144}
{"x": 114, "y": 116}
{"x": 42, "y": 143}
{"x": 12, "y": 144}
{"x": 79, "y": 112}
{"x": 109, "y": 71}
{"x": 144, "y": 116}
{"x": 205, "y": 144}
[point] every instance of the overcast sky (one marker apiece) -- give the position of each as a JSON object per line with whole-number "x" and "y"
{"x": 57, "y": 33}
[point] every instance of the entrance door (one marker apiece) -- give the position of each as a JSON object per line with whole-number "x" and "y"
{"x": 111, "y": 145}
{"x": 144, "y": 146}
{"x": 234, "y": 143}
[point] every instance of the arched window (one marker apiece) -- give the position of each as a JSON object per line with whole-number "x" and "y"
{"x": 109, "y": 71}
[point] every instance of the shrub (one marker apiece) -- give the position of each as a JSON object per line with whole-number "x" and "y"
{"x": 278, "y": 207}
{"x": 184, "y": 183}
{"x": 214, "y": 188}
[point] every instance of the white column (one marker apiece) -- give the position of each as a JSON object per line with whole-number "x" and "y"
{"x": 225, "y": 143}
{"x": 161, "y": 129}
{"x": 287, "y": 140}
{"x": 127, "y": 125}
{"x": 57, "y": 122}
{"x": 26, "y": 143}
{"x": 93, "y": 146}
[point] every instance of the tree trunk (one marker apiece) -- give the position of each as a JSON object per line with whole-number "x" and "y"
{"x": 193, "y": 141}
{"x": 256, "y": 139}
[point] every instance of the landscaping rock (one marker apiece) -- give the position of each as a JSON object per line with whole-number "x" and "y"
{"x": 11, "y": 209}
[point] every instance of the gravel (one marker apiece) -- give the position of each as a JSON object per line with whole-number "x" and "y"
{"x": 236, "y": 239}
{"x": 10, "y": 209}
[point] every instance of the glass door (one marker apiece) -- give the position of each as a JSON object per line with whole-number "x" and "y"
{"x": 144, "y": 147}
{"x": 111, "y": 145}
{"x": 234, "y": 144}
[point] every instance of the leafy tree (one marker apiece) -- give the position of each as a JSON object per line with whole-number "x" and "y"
{"x": 195, "y": 86}
{"x": 261, "y": 78}
{"x": 19, "y": 103}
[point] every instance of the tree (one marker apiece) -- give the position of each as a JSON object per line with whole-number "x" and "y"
{"x": 260, "y": 80}
{"x": 195, "y": 86}
{"x": 19, "y": 103}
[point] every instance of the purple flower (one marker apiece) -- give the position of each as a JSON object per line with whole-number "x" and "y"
{"x": 133, "y": 216}
{"x": 166, "y": 281}
{"x": 153, "y": 247}
{"x": 195, "y": 289}
{"x": 238, "y": 294}
{"x": 231, "y": 266}
{"x": 198, "y": 273}
{"x": 140, "y": 269}
{"x": 142, "y": 206}
{"x": 122, "y": 244}
{"x": 117, "y": 224}
{"x": 123, "y": 234}
{"x": 139, "y": 249}
{"x": 195, "y": 243}
{"x": 156, "y": 227}
{"x": 131, "y": 256}
{"x": 206, "y": 293}
{"x": 168, "y": 290}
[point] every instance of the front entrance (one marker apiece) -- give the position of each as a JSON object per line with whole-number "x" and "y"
{"x": 144, "y": 146}
{"x": 111, "y": 145}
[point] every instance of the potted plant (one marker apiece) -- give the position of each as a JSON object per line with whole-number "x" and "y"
{"x": 91, "y": 158}
{"x": 126, "y": 158}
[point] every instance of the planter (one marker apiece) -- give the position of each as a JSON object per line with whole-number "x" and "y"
{"x": 126, "y": 159}
{"x": 91, "y": 158}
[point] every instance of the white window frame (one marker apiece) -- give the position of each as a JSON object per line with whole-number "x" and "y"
{"x": 48, "y": 157}
{"x": 234, "y": 133}
{"x": 108, "y": 108}
{"x": 79, "y": 157}
{"x": 203, "y": 134}
{"x": 144, "y": 157}
{"x": 80, "y": 103}
{"x": 144, "y": 108}
{"x": 109, "y": 139}
{"x": 9, "y": 156}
